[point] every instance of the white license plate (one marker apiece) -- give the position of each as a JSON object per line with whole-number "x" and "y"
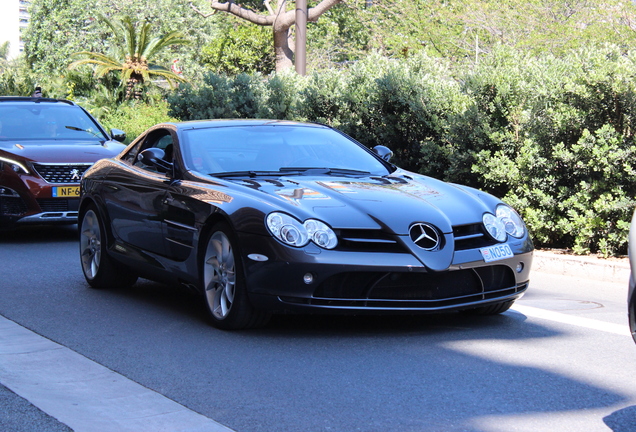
{"x": 495, "y": 253}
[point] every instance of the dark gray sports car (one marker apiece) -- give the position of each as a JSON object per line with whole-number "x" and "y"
{"x": 265, "y": 216}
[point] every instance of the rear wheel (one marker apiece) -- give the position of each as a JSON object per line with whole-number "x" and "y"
{"x": 492, "y": 309}
{"x": 100, "y": 270}
{"x": 225, "y": 293}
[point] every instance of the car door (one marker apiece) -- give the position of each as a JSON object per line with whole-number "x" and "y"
{"x": 135, "y": 196}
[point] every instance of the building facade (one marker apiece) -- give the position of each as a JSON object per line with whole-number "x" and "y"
{"x": 14, "y": 17}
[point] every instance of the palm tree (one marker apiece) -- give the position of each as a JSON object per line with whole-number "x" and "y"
{"x": 132, "y": 54}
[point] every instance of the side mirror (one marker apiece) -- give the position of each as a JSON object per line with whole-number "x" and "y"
{"x": 118, "y": 135}
{"x": 385, "y": 153}
{"x": 154, "y": 156}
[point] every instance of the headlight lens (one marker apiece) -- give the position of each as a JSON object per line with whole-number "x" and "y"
{"x": 495, "y": 227}
{"x": 505, "y": 222}
{"x": 290, "y": 231}
{"x": 321, "y": 234}
{"x": 17, "y": 166}
{"x": 511, "y": 220}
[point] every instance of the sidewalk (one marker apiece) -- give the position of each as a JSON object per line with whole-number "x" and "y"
{"x": 588, "y": 267}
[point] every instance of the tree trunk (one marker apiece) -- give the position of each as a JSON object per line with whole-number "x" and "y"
{"x": 280, "y": 20}
{"x": 282, "y": 49}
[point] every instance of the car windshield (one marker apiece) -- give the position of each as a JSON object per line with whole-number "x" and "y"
{"x": 270, "y": 149}
{"x": 46, "y": 122}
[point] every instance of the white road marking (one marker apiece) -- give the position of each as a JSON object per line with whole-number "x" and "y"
{"x": 618, "y": 329}
{"x": 85, "y": 395}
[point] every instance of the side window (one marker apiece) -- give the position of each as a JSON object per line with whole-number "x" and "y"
{"x": 160, "y": 138}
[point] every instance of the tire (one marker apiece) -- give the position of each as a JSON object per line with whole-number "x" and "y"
{"x": 224, "y": 289}
{"x": 99, "y": 269}
{"x": 631, "y": 307}
{"x": 492, "y": 309}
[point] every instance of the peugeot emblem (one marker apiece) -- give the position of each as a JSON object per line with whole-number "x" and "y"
{"x": 75, "y": 174}
{"x": 425, "y": 236}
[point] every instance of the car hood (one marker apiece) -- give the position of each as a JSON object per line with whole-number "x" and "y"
{"x": 393, "y": 202}
{"x": 61, "y": 151}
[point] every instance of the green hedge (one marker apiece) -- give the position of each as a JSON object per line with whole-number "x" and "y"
{"x": 552, "y": 136}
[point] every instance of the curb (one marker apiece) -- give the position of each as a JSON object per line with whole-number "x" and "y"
{"x": 614, "y": 270}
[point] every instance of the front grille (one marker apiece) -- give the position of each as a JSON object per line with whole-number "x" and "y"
{"x": 12, "y": 206}
{"x": 58, "y": 205}
{"x": 471, "y": 236}
{"x": 367, "y": 240}
{"x": 414, "y": 290}
{"x": 61, "y": 173}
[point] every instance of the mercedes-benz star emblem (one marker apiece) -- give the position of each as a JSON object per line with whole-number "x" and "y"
{"x": 425, "y": 236}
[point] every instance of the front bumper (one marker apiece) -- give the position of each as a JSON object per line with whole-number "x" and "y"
{"x": 35, "y": 204}
{"x": 332, "y": 281}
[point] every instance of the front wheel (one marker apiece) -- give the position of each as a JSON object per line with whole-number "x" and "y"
{"x": 99, "y": 269}
{"x": 225, "y": 293}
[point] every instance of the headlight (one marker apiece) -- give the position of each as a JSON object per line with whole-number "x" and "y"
{"x": 511, "y": 220}
{"x": 290, "y": 231}
{"x": 506, "y": 222}
{"x": 495, "y": 227}
{"x": 321, "y": 234}
{"x": 17, "y": 166}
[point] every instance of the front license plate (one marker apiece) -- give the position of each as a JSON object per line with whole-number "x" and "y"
{"x": 66, "y": 191}
{"x": 494, "y": 253}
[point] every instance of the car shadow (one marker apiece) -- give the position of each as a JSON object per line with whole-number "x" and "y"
{"x": 623, "y": 420}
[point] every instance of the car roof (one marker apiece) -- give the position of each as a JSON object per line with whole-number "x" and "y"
{"x": 201, "y": 124}
{"x": 25, "y": 99}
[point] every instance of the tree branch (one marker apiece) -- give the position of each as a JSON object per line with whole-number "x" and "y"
{"x": 241, "y": 12}
{"x": 314, "y": 13}
{"x": 201, "y": 13}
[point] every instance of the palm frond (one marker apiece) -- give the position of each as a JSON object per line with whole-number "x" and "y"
{"x": 158, "y": 44}
{"x": 130, "y": 35}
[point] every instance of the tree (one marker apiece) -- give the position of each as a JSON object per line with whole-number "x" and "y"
{"x": 132, "y": 55}
{"x": 59, "y": 28}
{"x": 470, "y": 28}
{"x": 279, "y": 17}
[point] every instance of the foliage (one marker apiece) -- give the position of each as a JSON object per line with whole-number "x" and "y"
{"x": 338, "y": 37}
{"x": 17, "y": 80}
{"x": 470, "y": 28}
{"x": 560, "y": 141}
{"x": 240, "y": 48}
{"x": 58, "y": 28}
{"x": 132, "y": 55}
{"x": 135, "y": 117}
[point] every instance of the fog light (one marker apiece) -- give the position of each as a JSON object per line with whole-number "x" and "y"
{"x": 308, "y": 278}
{"x": 519, "y": 267}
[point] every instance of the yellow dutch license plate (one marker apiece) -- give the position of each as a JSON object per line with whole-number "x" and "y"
{"x": 66, "y": 191}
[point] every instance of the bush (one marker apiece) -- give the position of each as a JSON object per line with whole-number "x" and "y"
{"x": 135, "y": 117}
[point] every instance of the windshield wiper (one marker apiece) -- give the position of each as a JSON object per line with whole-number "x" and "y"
{"x": 320, "y": 170}
{"x": 254, "y": 173}
{"x": 75, "y": 128}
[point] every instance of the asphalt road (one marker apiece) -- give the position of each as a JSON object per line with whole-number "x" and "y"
{"x": 561, "y": 360}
